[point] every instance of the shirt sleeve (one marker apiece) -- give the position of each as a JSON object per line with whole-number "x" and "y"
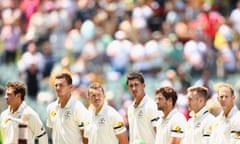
{"x": 235, "y": 130}
{"x": 118, "y": 124}
{"x": 35, "y": 124}
{"x": 207, "y": 128}
{"x": 152, "y": 113}
{"x": 80, "y": 115}
{"x": 49, "y": 115}
{"x": 178, "y": 126}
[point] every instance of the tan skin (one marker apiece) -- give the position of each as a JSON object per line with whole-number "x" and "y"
{"x": 166, "y": 106}
{"x": 96, "y": 98}
{"x": 63, "y": 90}
{"x": 195, "y": 102}
{"x": 136, "y": 88}
{"x": 226, "y": 99}
{"x": 13, "y": 100}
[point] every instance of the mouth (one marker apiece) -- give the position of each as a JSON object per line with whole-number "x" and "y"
{"x": 134, "y": 93}
{"x": 97, "y": 102}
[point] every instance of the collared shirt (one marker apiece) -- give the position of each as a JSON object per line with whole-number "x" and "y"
{"x": 142, "y": 121}
{"x": 104, "y": 126}
{"x": 24, "y": 115}
{"x": 66, "y": 122}
{"x": 226, "y": 130}
{"x": 199, "y": 127}
{"x": 171, "y": 126}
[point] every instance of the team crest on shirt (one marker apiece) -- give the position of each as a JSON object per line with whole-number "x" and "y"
{"x": 101, "y": 121}
{"x": 140, "y": 114}
{"x": 197, "y": 125}
{"x": 67, "y": 115}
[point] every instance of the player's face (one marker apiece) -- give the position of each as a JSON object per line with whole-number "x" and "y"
{"x": 62, "y": 87}
{"x": 225, "y": 98}
{"x": 161, "y": 102}
{"x": 96, "y": 97}
{"x": 10, "y": 96}
{"x": 192, "y": 101}
{"x": 136, "y": 88}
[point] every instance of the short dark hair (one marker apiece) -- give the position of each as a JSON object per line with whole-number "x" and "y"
{"x": 135, "y": 75}
{"x": 65, "y": 76}
{"x": 200, "y": 90}
{"x": 18, "y": 87}
{"x": 168, "y": 92}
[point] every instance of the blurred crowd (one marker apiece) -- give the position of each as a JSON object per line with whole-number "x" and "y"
{"x": 177, "y": 43}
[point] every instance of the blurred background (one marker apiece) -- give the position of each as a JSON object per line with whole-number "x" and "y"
{"x": 177, "y": 43}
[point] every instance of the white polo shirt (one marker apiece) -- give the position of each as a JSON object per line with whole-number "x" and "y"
{"x": 226, "y": 130}
{"x": 171, "y": 126}
{"x": 24, "y": 114}
{"x": 66, "y": 122}
{"x": 104, "y": 126}
{"x": 142, "y": 121}
{"x": 199, "y": 127}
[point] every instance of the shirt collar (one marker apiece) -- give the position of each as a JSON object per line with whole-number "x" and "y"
{"x": 102, "y": 110}
{"x": 203, "y": 111}
{"x": 142, "y": 102}
{"x": 69, "y": 102}
{"x": 231, "y": 113}
{"x": 20, "y": 108}
{"x": 171, "y": 113}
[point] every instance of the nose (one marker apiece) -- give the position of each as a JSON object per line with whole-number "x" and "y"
{"x": 5, "y": 96}
{"x": 96, "y": 97}
{"x": 223, "y": 98}
{"x": 58, "y": 87}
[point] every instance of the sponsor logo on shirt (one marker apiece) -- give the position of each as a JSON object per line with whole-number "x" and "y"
{"x": 53, "y": 113}
{"x": 177, "y": 129}
{"x": 5, "y": 121}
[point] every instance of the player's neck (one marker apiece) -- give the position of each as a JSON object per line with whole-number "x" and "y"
{"x": 138, "y": 101}
{"x": 14, "y": 108}
{"x": 63, "y": 101}
{"x": 226, "y": 111}
{"x": 167, "y": 111}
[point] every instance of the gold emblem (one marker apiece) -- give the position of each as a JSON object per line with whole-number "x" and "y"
{"x": 6, "y": 120}
{"x": 177, "y": 128}
{"x": 53, "y": 113}
{"x": 120, "y": 124}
